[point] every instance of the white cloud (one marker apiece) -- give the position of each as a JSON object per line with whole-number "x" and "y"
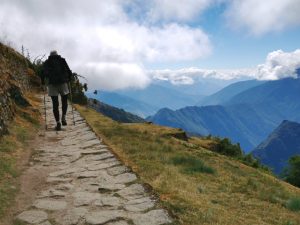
{"x": 174, "y": 42}
{"x": 178, "y": 10}
{"x": 187, "y": 76}
{"x": 279, "y": 65}
{"x": 121, "y": 75}
{"x": 260, "y": 17}
{"x": 95, "y": 32}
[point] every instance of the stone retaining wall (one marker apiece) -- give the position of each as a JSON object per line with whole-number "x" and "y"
{"x": 14, "y": 81}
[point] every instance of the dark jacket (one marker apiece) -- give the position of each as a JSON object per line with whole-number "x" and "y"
{"x": 56, "y": 70}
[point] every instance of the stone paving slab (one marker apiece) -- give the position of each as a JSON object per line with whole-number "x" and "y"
{"x": 86, "y": 183}
{"x": 33, "y": 216}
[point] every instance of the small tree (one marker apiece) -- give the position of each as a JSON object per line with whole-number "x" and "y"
{"x": 225, "y": 147}
{"x": 292, "y": 172}
{"x": 78, "y": 90}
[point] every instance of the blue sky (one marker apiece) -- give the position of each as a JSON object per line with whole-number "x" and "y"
{"x": 121, "y": 44}
{"x": 234, "y": 49}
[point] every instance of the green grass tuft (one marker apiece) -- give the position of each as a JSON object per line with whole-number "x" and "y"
{"x": 6, "y": 146}
{"x": 293, "y": 204}
{"x": 192, "y": 165}
{"x": 7, "y": 192}
{"x": 289, "y": 223}
{"x": 7, "y": 167}
{"x": 30, "y": 119}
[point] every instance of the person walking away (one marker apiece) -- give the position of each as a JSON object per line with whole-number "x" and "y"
{"x": 57, "y": 74}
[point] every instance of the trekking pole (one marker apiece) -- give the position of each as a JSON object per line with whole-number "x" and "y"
{"x": 45, "y": 108}
{"x": 70, "y": 89}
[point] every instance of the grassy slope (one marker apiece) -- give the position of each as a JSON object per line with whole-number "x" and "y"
{"x": 13, "y": 147}
{"x": 233, "y": 194}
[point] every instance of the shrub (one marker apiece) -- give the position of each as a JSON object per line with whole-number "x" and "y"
{"x": 77, "y": 88}
{"x": 293, "y": 204}
{"x": 249, "y": 160}
{"x": 225, "y": 147}
{"x": 292, "y": 173}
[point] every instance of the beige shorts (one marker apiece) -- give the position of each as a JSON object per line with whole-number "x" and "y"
{"x": 58, "y": 89}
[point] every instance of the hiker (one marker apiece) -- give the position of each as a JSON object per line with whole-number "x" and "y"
{"x": 57, "y": 74}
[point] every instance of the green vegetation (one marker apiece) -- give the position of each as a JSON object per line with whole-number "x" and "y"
{"x": 292, "y": 172}
{"x": 12, "y": 148}
{"x": 78, "y": 96}
{"x": 289, "y": 223}
{"x": 28, "y": 117}
{"x": 293, "y": 204}
{"x": 7, "y": 173}
{"x": 196, "y": 184}
{"x": 192, "y": 165}
{"x": 224, "y": 146}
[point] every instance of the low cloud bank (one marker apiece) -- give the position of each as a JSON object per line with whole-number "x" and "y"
{"x": 278, "y": 65}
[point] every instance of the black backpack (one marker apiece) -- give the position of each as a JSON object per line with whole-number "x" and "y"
{"x": 56, "y": 70}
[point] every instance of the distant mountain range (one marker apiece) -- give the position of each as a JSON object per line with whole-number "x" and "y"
{"x": 148, "y": 101}
{"x": 225, "y": 94}
{"x": 131, "y": 105}
{"x": 114, "y": 113}
{"x": 247, "y": 117}
{"x": 202, "y": 86}
{"x": 282, "y": 143}
{"x": 240, "y": 123}
{"x": 160, "y": 94}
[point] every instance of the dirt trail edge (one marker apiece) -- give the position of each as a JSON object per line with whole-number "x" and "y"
{"x": 75, "y": 179}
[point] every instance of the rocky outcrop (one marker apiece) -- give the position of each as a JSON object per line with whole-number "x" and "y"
{"x": 15, "y": 80}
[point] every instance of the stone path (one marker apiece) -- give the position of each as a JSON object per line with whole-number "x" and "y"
{"x": 86, "y": 183}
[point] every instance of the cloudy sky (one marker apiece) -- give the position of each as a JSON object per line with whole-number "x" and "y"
{"x": 127, "y": 43}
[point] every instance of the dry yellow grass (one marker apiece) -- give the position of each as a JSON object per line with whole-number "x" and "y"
{"x": 234, "y": 194}
{"x": 14, "y": 149}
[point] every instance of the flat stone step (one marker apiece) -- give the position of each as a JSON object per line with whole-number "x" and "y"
{"x": 33, "y": 216}
{"x": 52, "y": 205}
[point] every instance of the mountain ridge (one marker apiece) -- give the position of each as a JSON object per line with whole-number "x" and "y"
{"x": 114, "y": 113}
{"x": 131, "y": 105}
{"x": 225, "y": 94}
{"x": 248, "y": 118}
{"x": 279, "y": 146}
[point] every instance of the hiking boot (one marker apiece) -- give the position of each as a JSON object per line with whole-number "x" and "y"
{"x": 64, "y": 122}
{"x": 58, "y": 126}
